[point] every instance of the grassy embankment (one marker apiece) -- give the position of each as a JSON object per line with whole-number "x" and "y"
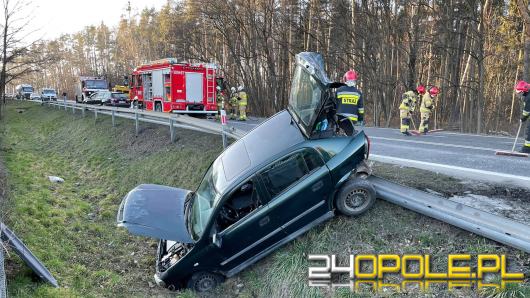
{"x": 71, "y": 226}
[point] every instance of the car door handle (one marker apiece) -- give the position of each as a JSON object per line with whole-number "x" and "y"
{"x": 264, "y": 221}
{"x": 317, "y": 186}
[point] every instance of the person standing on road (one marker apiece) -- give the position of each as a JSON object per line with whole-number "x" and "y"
{"x": 242, "y": 99}
{"x": 220, "y": 102}
{"x": 426, "y": 108}
{"x": 233, "y": 103}
{"x": 523, "y": 89}
{"x": 350, "y": 99}
{"x": 408, "y": 106}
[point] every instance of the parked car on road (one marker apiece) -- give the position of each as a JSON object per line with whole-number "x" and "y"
{"x": 34, "y": 96}
{"x": 98, "y": 97}
{"x": 284, "y": 177}
{"x": 118, "y": 99}
{"x": 48, "y": 94}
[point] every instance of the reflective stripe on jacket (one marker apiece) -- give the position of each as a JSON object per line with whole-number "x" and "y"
{"x": 350, "y": 103}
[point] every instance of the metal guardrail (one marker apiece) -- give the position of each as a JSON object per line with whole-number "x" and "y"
{"x": 138, "y": 115}
{"x": 500, "y": 229}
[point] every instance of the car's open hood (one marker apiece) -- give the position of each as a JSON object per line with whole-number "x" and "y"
{"x": 155, "y": 211}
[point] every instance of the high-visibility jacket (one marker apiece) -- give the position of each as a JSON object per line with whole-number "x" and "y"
{"x": 426, "y": 103}
{"x": 408, "y": 101}
{"x": 220, "y": 100}
{"x": 350, "y": 103}
{"x": 242, "y": 95}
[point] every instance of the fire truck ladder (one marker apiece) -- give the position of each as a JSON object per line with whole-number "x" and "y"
{"x": 210, "y": 84}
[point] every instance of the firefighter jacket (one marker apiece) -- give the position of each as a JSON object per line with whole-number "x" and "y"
{"x": 350, "y": 103}
{"x": 426, "y": 103}
{"x": 526, "y": 109}
{"x": 408, "y": 101}
{"x": 242, "y": 97}
{"x": 221, "y": 100}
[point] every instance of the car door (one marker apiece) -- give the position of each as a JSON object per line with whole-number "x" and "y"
{"x": 299, "y": 186}
{"x": 243, "y": 242}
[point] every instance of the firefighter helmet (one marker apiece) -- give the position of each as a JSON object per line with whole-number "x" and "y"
{"x": 420, "y": 89}
{"x": 350, "y": 78}
{"x": 240, "y": 88}
{"x": 233, "y": 89}
{"x": 434, "y": 91}
{"x": 522, "y": 87}
{"x": 218, "y": 88}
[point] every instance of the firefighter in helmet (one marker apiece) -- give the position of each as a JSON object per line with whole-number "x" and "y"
{"x": 242, "y": 100}
{"x": 232, "y": 103}
{"x": 350, "y": 99}
{"x": 523, "y": 89}
{"x": 221, "y": 99}
{"x": 426, "y": 107}
{"x": 408, "y": 106}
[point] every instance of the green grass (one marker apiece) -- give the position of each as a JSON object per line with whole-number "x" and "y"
{"x": 71, "y": 226}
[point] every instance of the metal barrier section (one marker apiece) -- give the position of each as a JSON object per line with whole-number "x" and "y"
{"x": 500, "y": 229}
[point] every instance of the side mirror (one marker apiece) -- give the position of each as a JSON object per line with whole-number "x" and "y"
{"x": 216, "y": 239}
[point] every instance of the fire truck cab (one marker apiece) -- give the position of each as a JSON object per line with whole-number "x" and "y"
{"x": 170, "y": 86}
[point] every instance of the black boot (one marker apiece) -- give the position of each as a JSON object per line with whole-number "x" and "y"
{"x": 406, "y": 133}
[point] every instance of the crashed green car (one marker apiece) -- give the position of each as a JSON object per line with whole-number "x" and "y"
{"x": 294, "y": 171}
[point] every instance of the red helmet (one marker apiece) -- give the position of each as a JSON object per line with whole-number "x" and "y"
{"x": 521, "y": 87}
{"x": 421, "y": 89}
{"x": 434, "y": 91}
{"x": 350, "y": 75}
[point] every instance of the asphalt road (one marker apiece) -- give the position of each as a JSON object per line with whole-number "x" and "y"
{"x": 455, "y": 154}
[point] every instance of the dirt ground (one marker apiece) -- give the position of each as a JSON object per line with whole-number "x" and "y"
{"x": 507, "y": 201}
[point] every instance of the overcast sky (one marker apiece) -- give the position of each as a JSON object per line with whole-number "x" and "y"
{"x": 55, "y": 17}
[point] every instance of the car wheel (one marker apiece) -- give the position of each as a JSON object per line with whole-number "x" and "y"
{"x": 355, "y": 197}
{"x": 204, "y": 281}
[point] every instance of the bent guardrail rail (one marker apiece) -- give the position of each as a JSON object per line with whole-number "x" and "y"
{"x": 498, "y": 228}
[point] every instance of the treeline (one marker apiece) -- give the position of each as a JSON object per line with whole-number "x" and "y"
{"x": 473, "y": 50}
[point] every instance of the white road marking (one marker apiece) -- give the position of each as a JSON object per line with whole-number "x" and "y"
{"x": 450, "y": 133}
{"x": 436, "y": 144}
{"x": 455, "y": 171}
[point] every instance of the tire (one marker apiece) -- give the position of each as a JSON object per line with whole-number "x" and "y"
{"x": 355, "y": 197}
{"x": 204, "y": 281}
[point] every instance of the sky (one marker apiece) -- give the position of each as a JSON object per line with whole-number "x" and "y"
{"x": 51, "y": 18}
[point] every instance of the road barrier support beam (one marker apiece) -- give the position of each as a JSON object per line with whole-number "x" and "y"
{"x": 113, "y": 119}
{"x": 172, "y": 130}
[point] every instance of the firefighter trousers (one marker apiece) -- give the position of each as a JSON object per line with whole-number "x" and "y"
{"x": 242, "y": 112}
{"x": 526, "y": 146}
{"x": 424, "y": 125}
{"x": 404, "y": 116}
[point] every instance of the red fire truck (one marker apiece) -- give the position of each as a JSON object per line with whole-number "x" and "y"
{"x": 167, "y": 85}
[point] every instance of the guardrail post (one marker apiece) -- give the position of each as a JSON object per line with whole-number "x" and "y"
{"x": 136, "y": 123}
{"x": 113, "y": 120}
{"x": 172, "y": 130}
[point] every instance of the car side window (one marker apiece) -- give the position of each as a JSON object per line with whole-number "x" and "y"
{"x": 241, "y": 202}
{"x": 287, "y": 171}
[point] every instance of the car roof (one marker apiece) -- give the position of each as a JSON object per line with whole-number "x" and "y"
{"x": 260, "y": 145}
